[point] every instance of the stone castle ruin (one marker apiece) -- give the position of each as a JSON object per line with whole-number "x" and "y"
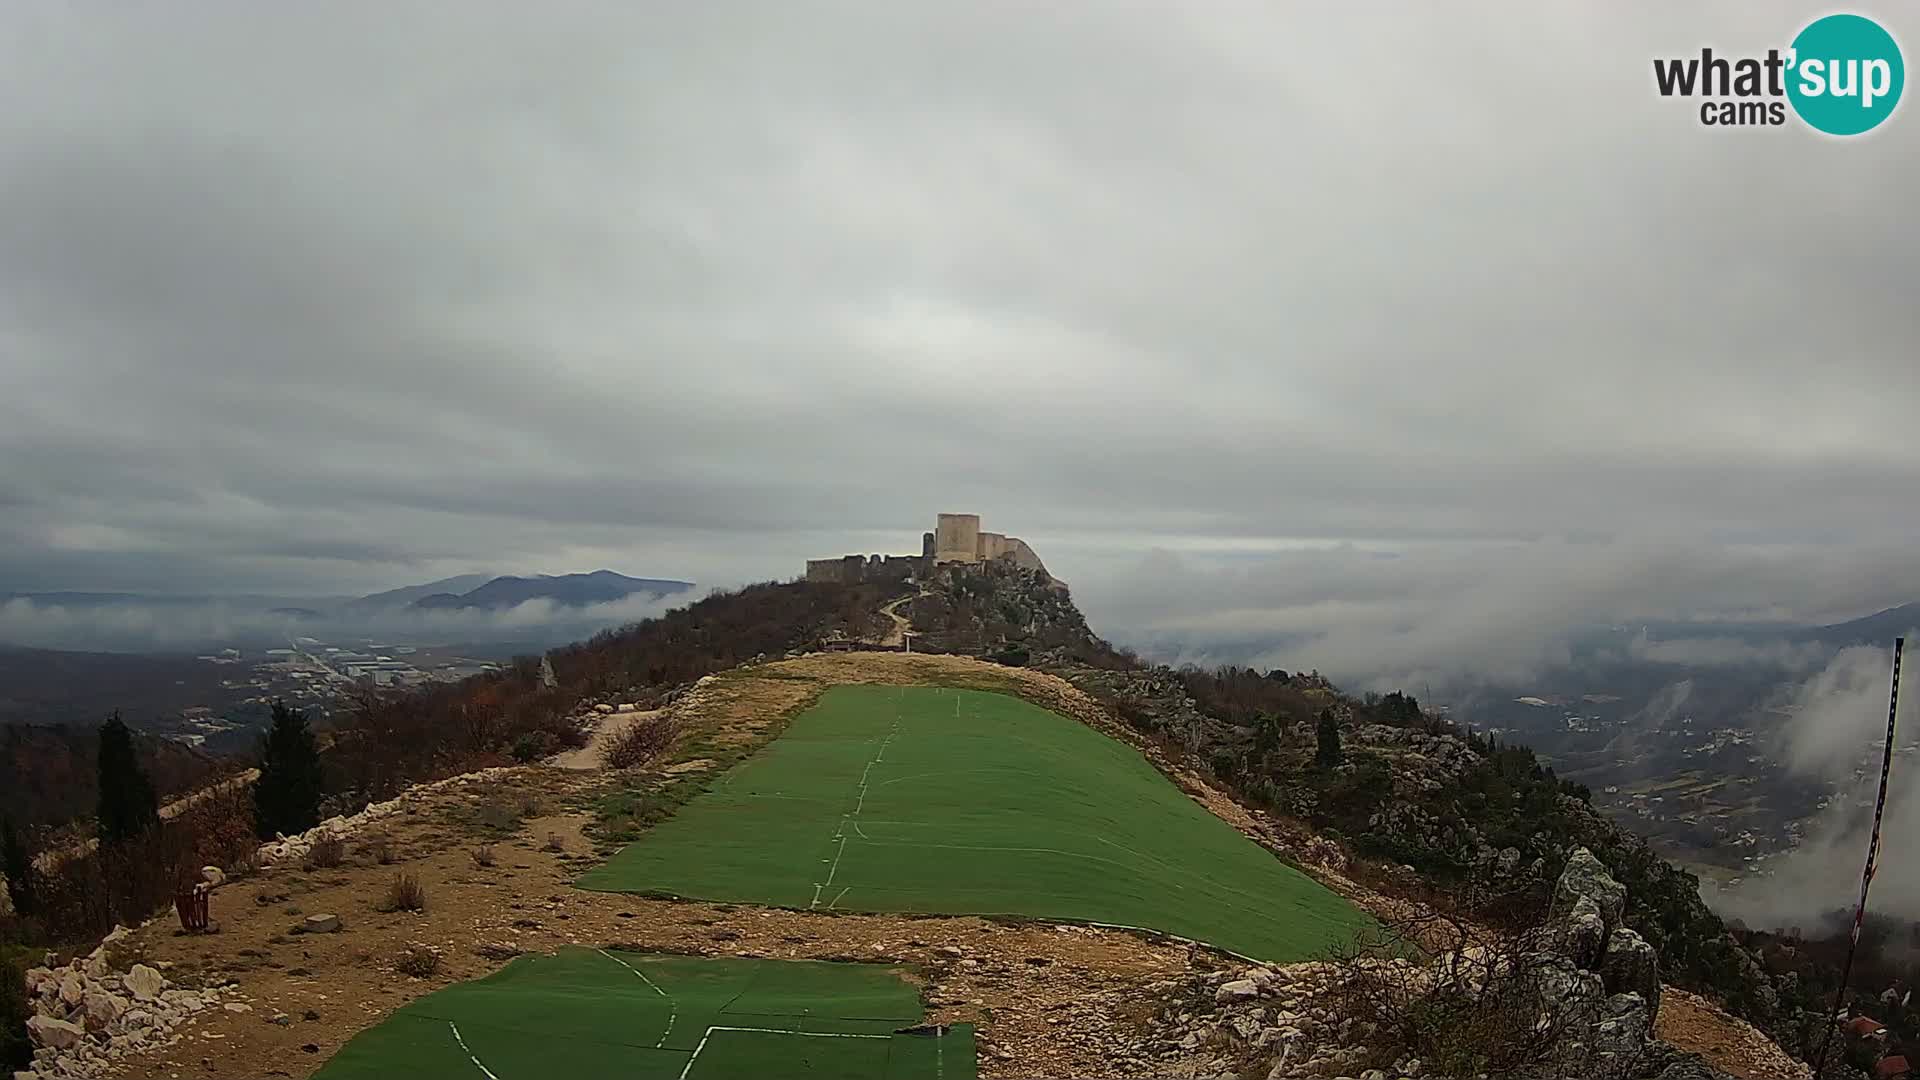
{"x": 956, "y": 538}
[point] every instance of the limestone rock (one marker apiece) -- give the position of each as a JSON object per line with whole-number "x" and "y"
{"x": 321, "y": 924}
{"x": 102, "y": 1008}
{"x": 143, "y": 982}
{"x": 1583, "y": 932}
{"x": 1630, "y": 966}
{"x": 54, "y": 1034}
{"x": 1237, "y": 990}
{"x": 73, "y": 989}
{"x": 1587, "y": 876}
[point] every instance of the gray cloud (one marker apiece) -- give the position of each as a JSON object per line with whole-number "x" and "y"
{"x": 1401, "y": 615}
{"x": 332, "y": 300}
{"x": 1836, "y": 734}
{"x": 135, "y": 625}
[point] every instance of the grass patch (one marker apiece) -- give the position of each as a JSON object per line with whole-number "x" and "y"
{"x": 943, "y": 801}
{"x": 648, "y": 1016}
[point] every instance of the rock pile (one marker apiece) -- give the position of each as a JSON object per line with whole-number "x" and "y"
{"x": 87, "y": 1016}
{"x": 287, "y": 848}
{"x": 1592, "y": 983}
{"x": 1254, "y": 1022}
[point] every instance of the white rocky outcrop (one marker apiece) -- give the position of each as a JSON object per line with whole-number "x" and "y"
{"x": 87, "y": 1016}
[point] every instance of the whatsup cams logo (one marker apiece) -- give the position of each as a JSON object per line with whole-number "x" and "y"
{"x": 1842, "y": 75}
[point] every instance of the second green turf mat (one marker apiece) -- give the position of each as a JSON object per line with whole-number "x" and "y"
{"x": 589, "y": 1014}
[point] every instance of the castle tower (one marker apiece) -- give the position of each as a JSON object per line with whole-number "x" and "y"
{"x": 956, "y": 538}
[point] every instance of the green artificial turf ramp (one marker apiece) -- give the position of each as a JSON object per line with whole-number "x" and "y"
{"x": 940, "y": 801}
{"x": 587, "y": 1014}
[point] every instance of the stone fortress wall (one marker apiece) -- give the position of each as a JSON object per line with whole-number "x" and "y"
{"x": 956, "y": 538}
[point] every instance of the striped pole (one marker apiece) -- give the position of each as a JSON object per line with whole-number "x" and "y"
{"x": 1873, "y": 856}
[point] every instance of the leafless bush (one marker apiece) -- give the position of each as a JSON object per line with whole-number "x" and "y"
{"x": 482, "y": 856}
{"x": 419, "y": 961}
{"x": 404, "y": 893}
{"x": 329, "y": 851}
{"x": 1469, "y": 1001}
{"x": 554, "y": 843}
{"x": 639, "y": 743}
{"x": 244, "y": 865}
{"x": 380, "y": 850}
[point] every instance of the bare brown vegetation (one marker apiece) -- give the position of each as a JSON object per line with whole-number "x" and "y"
{"x": 404, "y": 893}
{"x": 418, "y": 961}
{"x": 640, "y": 742}
{"x": 329, "y": 851}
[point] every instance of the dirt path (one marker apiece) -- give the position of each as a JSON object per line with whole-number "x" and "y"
{"x": 608, "y": 729}
{"x": 901, "y": 625}
{"x": 1732, "y": 1045}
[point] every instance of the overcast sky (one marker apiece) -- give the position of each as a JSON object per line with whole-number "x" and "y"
{"x": 329, "y": 298}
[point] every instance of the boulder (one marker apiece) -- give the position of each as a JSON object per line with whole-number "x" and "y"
{"x": 213, "y": 876}
{"x": 603, "y": 709}
{"x": 1630, "y": 966}
{"x": 1582, "y": 933}
{"x": 53, "y": 1034}
{"x": 1587, "y": 876}
{"x": 1237, "y": 990}
{"x": 143, "y": 982}
{"x": 321, "y": 924}
{"x": 102, "y": 1008}
{"x": 73, "y": 989}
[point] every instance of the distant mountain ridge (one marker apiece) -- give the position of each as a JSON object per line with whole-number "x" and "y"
{"x": 568, "y": 590}
{"x": 407, "y": 594}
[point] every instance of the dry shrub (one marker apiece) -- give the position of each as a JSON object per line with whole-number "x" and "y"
{"x": 404, "y": 893}
{"x": 1486, "y": 1002}
{"x": 497, "y": 815}
{"x": 419, "y": 961}
{"x": 380, "y": 850}
{"x": 554, "y": 843}
{"x": 329, "y": 851}
{"x": 482, "y": 856}
{"x": 496, "y": 952}
{"x": 639, "y": 743}
{"x": 245, "y": 865}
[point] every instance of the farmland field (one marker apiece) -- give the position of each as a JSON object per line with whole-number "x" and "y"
{"x": 943, "y": 801}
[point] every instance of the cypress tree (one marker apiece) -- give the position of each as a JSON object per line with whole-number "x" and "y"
{"x": 1328, "y": 753}
{"x": 18, "y": 866}
{"x": 128, "y": 805}
{"x": 16, "y": 1046}
{"x": 286, "y": 798}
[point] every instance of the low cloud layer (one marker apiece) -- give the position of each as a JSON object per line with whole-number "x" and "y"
{"x": 145, "y": 626}
{"x": 1399, "y": 616}
{"x": 1835, "y": 734}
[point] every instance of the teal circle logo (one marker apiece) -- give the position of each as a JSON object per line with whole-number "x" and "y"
{"x": 1846, "y": 74}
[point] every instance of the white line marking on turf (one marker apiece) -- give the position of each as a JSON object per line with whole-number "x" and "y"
{"x": 840, "y": 830}
{"x": 843, "y": 895}
{"x": 484, "y": 1071}
{"x": 771, "y": 1031}
{"x": 673, "y": 1009}
{"x": 940, "y": 1053}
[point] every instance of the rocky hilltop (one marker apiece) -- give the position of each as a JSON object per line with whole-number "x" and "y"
{"x": 1522, "y": 934}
